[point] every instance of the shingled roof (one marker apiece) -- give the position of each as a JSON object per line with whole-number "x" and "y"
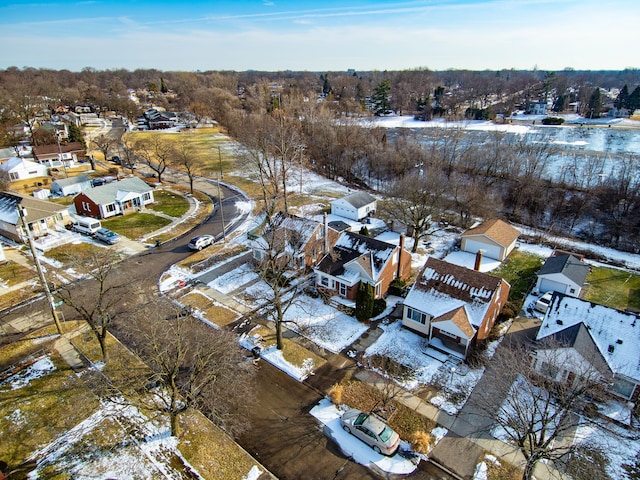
{"x": 359, "y": 199}
{"x": 496, "y": 229}
{"x": 568, "y": 265}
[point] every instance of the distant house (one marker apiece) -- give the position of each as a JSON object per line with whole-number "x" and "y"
{"x": 356, "y": 206}
{"x": 42, "y": 217}
{"x": 159, "y": 119}
{"x": 607, "y": 339}
{"x": 356, "y": 258}
{"x": 21, "y": 169}
{"x": 300, "y": 242}
{"x": 71, "y": 185}
{"x": 453, "y": 306}
{"x": 563, "y": 273}
{"x": 117, "y": 198}
{"x": 494, "y": 238}
{"x": 537, "y": 108}
{"x": 59, "y": 157}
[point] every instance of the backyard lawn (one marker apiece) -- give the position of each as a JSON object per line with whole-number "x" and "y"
{"x": 137, "y": 225}
{"x": 520, "y": 271}
{"x": 614, "y": 288}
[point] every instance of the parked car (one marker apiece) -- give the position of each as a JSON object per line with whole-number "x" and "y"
{"x": 542, "y": 304}
{"x": 96, "y": 182}
{"x": 107, "y": 236}
{"x": 372, "y": 431}
{"x": 201, "y": 241}
{"x": 86, "y": 225}
{"x": 116, "y": 159}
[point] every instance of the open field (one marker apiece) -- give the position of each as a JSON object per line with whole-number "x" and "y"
{"x": 614, "y": 288}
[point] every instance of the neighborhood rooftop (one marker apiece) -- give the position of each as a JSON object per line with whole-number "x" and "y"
{"x": 568, "y": 265}
{"x": 498, "y": 230}
{"x": 615, "y": 333}
{"x": 109, "y": 192}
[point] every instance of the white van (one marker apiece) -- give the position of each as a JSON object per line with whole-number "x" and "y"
{"x": 86, "y": 225}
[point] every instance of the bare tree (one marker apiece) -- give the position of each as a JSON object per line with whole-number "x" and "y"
{"x": 184, "y": 156}
{"x": 280, "y": 250}
{"x": 413, "y": 200}
{"x": 99, "y": 300}
{"x": 104, "y": 144}
{"x": 533, "y": 400}
{"x": 193, "y": 366}
{"x": 156, "y": 152}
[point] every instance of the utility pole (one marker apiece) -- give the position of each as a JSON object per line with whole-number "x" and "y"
{"x": 22, "y": 213}
{"x": 224, "y": 234}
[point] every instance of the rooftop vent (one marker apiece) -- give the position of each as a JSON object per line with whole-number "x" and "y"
{"x": 619, "y": 341}
{"x": 611, "y": 348}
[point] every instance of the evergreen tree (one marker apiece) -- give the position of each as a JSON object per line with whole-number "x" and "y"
{"x": 623, "y": 98}
{"x": 163, "y": 86}
{"x": 364, "y": 301}
{"x": 559, "y": 103}
{"x": 380, "y": 98}
{"x": 594, "y": 107}
{"x": 364, "y": 231}
{"x": 75, "y": 135}
{"x": 633, "y": 102}
{"x": 326, "y": 86}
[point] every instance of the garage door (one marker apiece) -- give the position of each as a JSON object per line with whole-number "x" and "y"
{"x": 490, "y": 251}
{"x": 547, "y": 285}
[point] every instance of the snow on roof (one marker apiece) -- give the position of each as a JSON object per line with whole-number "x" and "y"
{"x": 13, "y": 162}
{"x": 36, "y": 209}
{"x": 615, "y": 333}
{"x": 443, "y": 287}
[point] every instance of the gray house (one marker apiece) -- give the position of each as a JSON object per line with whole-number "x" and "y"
{"x": 70, "y": 186}
{"x": 563, "y": 273}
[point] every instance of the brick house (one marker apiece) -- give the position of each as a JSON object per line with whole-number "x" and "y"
{"x": 117, "y": 198}
{"x": 301, "y": 242}
{"x": 356, "y": 258}
{"x": 453, "y": 306}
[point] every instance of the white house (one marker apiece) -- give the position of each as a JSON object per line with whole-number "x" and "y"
{"x": 562, "y": 273}
{"x": 42, "y": 217}
{"x": 356, "y": 206}
{"x": 607, "y": 339}
{"x": 71, "y": 185}
{"x": 21, "y": 169}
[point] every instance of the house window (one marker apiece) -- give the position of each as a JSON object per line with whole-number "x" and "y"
{"x": 324, "y": 281}
{"x": 550, "y": 370}
{"x": 14, "y": 176}
{"x": 258, "y": 254}
{"x": 623, "y": 387}
{"x": 109, "y": 208}
{"x": 378, "y": 290}
{"x": 572, "y": 291}
{"x": 416, "y": 316}
{"x": 146, "y": 196}
{"x": 342, "y": 289}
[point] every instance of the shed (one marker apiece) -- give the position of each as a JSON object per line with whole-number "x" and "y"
{"x": 562, "y": 273}
{"x": 494, "y": 238}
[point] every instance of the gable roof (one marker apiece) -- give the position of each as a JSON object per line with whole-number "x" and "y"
{"x": 442, "y": 287}
{"x": 296, "y": 231}
{"x": 370, "y": 254}
{"x": 460, "y": 319}
{"x": 111, "y": 192}
{"x": 65, "y": 182}
{"x": 496, "y": 229}
{"x": 36, "y": 209}
{"x": 14, "y": 162}
{"x": 53, "y": 149}
{"x": 567, "y": 265}
{"x": 616, "y": 334}
{"x": 358, "y": 199}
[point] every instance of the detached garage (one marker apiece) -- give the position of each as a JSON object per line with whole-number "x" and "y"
{"x": 495, "y": 238}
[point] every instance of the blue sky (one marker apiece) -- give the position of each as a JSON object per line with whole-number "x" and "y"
{"x": 320, "y": 36}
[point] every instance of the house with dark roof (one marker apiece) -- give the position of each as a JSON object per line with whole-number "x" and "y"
{"x": 116, "y": 198}
{"x": 494, "y": 239}
{"x": 41, "y": 217}
{"x": 453, "y": 306}
{"x": 70, "y": 186}
{"x": 59, "y": 156}
{"x": 591, "y": 336}
{"x": 299, "y": 242}
{"x": 563, "y": 273}
{"x": 355, "y": 206}
{"x": 356, "y": 258}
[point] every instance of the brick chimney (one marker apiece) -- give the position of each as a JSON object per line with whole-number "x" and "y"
{"x": 326, "y": 233}
{"x": 476, "y": 266}
{"x": 401, "y": 245}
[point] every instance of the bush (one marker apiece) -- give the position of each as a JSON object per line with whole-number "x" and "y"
{"x": 335, "y": 393}
{"x": 421, "y": 441}
{"x": 552, "y": 121}
{"x": 397, "y": 287}
{"x": 379, "y": 306}
{"x": 510, "y": 310}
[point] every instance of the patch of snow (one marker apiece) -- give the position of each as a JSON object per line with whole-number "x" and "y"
{"x": 22, "y": 378}
{"x": 352, "y": 447}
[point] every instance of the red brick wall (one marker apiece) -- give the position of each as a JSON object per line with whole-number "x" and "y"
{"x": 493, "y": 311}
